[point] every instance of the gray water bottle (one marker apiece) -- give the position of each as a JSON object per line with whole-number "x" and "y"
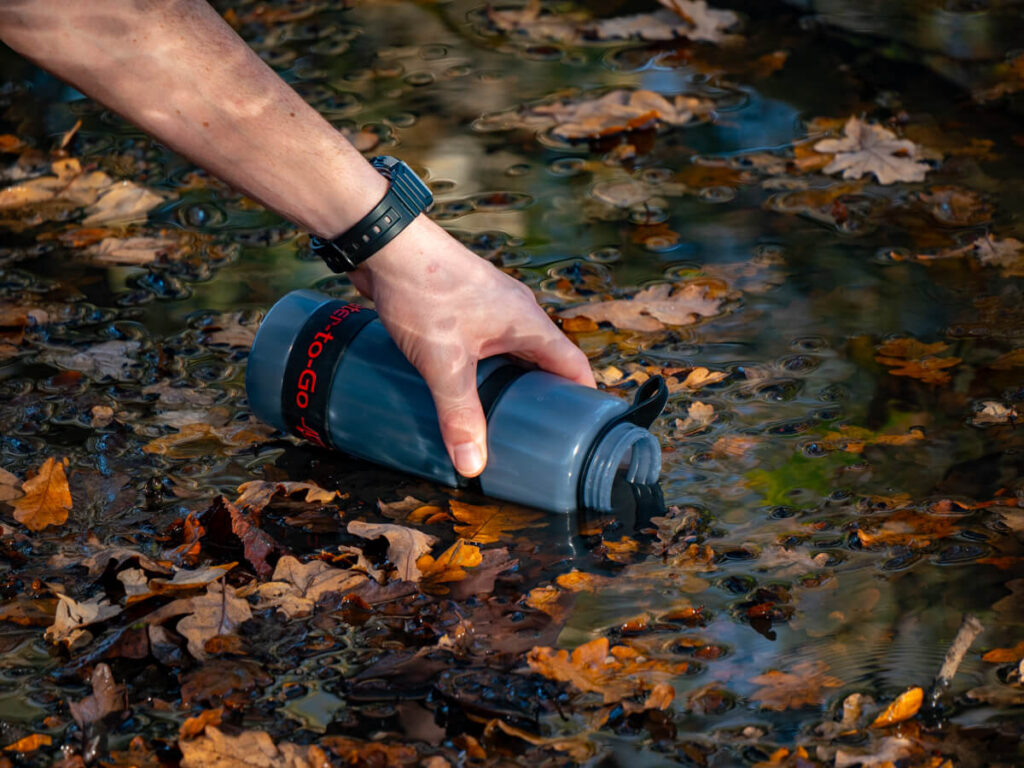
{"x": 329, "y": 372}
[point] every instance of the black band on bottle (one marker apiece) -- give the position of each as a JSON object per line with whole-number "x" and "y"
{"x": 311, "y": 364}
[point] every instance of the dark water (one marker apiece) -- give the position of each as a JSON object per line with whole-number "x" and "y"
{"x": 813, "y": 295}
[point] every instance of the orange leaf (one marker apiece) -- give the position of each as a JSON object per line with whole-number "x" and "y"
{"x": 905, "y": 707}
{"x": 47, "y": 497}
{"x": 1003, "y": 655}
{"x": 30, "y": 743}
{"x": 193, "y": 726}
{"x": 487, "y": 524}
{"x": 451, "y": 564}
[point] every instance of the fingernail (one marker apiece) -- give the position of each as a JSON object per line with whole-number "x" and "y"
{"x": 468, "y": 459}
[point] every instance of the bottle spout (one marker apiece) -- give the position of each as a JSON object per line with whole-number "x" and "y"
{"x": 626, "y": 451}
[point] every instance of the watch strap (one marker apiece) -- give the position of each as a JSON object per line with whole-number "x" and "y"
{"x": 405, "y": 199}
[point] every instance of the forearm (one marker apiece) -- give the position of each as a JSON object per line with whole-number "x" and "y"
{"x": 179, "y": 72}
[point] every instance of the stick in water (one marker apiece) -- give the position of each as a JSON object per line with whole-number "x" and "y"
{"x": 970, "y": 628}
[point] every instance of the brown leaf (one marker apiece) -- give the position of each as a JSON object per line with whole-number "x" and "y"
{"x": 9, "y": 486}
{"x": 956, "y": 206}
{"x": 450, "y": 565}
{"x": 614, "y": 672}
{"x": 47, "y": 498}
{"x": 217, "y": 612}
{"x": 872, "y": 149}
{"x": 909, "y": 357}
{"x": 654, "y": 308}
{"x": 578, "y": 747}
{"x": 256, "y": 494}
{"x": 906, "y": 527}
{"x": 249, "y": 749}
{"x": 72, "y": 616}
{"x": 1004, "y": 655}
{"x": 193, "y": 726}
{"x": 855, "y": 439}
{"x": 802, "y": 687}
{"x": 296, "y": 586}
{"x": 405, "y": 545}
{"x": 131, "y": 251}
{"x": 220, "y": 677}
{"x": 698, "y": 416}
{"x": 370, "y": 753}
{"x": 106, "y": 697}
{"x": 487, "y": 524}
{"x": 196, "y": 440}
{"x": 887, "y": 752}
{"x": 903, "y": 708}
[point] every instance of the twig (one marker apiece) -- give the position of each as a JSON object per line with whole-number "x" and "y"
{"x": 970, "y": 628}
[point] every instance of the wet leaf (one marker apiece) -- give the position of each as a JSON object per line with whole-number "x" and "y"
{"x": 201, "y": 439}
{"x": 903, "y": 708}
{"x": 47, "y": 498}
{"x": 654, "y": 308}
{"x": 131, "y": 251}
{"x": 115, "y": 359}
{"x": 909, "y": 357}
{"x": 355, "y": 752}
{"x": 217, "y": 612}
{"x": 615, "y": 672}
{"x": 10, "y": 485}
{"x": 295, "y": 587}
{"x": 30, "y": 743}
{"x": 450, "y": 565}
{"x": 106, "y": 698}
{"x": 801, "y": 687}
{"x": 72, "y": 616}
{"x": 249, "y": 749}
{"x": 219, "y": 678}
{"x": 578, "y": 748}
{"x": 256, "y": 494}
{"x": 405, "y": 545}
{"x": 855, "y": 439}
{"x": 698, "y": 416}
{"x": 486, "y": 524}
{"x": 1004, "y": 655}
{"x": 907, "y": 527}
{"x": 887, "y": 752}
{"x": 871, "y": 149}
{"x": 956, "y": 206}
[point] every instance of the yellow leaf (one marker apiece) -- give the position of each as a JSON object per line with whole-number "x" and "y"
{"x": 487, "y": 524}
{"x": 47, "y": 498}
{"x": 204, "y": 439}
{"x": 450, "y": 564}
{"x": 905, "y": 707}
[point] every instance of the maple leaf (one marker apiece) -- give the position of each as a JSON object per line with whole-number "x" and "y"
{"x": 106, "y": 697}
{"x": 405, "y": 545}
{"x": 487, "y": 524}
{"x": 868, "y": 148}
{"x": 802, "y": 687}
{"x": 47, "y": 498}
{"x": 654, "y": 308}
{"x": 216, "y": 612}
{"x": 614, "y": 672}
{"x": 249, "y": 749}
{"x": 296, "y": 587}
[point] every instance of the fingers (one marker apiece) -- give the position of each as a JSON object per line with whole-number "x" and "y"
{"x": 553, "y": 352}
{"x": 462, "y": 422}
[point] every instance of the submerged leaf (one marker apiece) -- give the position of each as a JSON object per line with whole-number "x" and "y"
{"x": 654, "y": 308}
{"x": 801, "y": 687}
{"x": 872, "y": 149}
{"x": 487, "y": 524}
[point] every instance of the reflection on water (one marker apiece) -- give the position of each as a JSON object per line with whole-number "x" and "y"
{"x": 771, "y": 485}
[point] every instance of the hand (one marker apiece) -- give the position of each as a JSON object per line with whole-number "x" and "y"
{"x": 446, "y": 308}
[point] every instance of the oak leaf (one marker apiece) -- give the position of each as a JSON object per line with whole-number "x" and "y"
{"x": 9, "y": 485}
{"x": 450, "y": 565}
{"x": 47, "y": 498}
{"x": 297, "y": 586}
{"x": 614, "y": 672}
{"x": 106, "y": 697}
{"x": 872, "y": 149}
{"x": 801, "y": 687}
{"x": 217, "y": 612}
{"x": 903, "y": 708}
{"x": 256, "y": 494}
{"x": 249, "y": 749}
{"x": 405, "y": 545}
{"x": 909, "y": 357}
{"x": 654, "y": 308}
{"x": 486, "y": 524}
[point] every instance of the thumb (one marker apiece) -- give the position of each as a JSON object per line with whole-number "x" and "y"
{"x": 461, "y": 418}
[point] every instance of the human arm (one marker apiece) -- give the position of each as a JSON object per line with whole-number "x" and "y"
{"x": 179, "y": 72}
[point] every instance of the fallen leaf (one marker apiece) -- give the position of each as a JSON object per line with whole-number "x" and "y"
{"x": 236, "y": 329}
{"x": 193, "y": 726}
{"x": 116, "y": 359}
{"x": 614, "y": 672}
{"x": 698, "y": 416}
{"x": 854, "y": 439}
{"x": 9, "y": 485}
{"x": 579, "y": 747}
{"x": 122, "y": 203}
{"x": 660, "y": 697}
{"x": 73, "y": 616}
{"x": 47, "y": 498}
{"x": 654, "y": 308}
{"x": 909, "y": 357}
{"x": 903, "y": 708}
{"x": 219, "y": 678}
{"x": 106, "y": 697}
{"x": 131, "y": 251}
{"x": 956, "y": 206}
{"x": 906, "y": 527}
{"x": 296, "y": 587}
{"x": 868, "y": 148}
{"x": 202, "y": 439}
{"x": 450, "y": 565}
{"x": 249, "y": 749}
{"x": 801, "y": 687}
{"x": 487, "y": 524}
{"x": 1004, "y": 655}
{"x": 256, "y": 494}
{"x": 355, "y": 752}
{"x": 887, "y": 752}
{"x": 405, "y": 545}
{"x": 30, "y": 743}
{"x": 217, "y": 612}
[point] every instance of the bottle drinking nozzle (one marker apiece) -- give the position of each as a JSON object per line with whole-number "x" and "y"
{"x": 329, "y": 372}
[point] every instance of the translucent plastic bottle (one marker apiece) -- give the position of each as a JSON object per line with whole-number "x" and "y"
{"x": 329, "y": 372}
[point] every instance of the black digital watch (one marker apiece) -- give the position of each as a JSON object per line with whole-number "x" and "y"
{"x": 406, "y": 198}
